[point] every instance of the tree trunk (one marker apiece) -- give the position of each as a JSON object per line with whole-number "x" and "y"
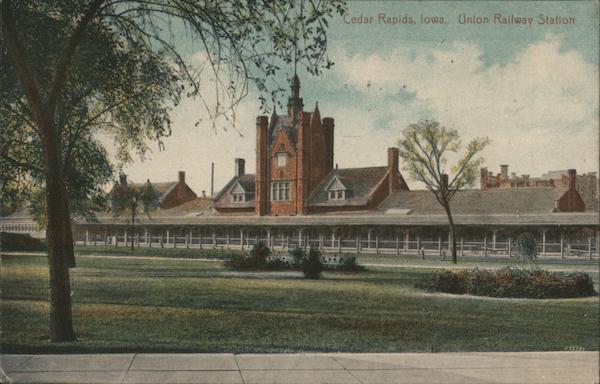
{"x": 452, "y": 235}
{"x": 132, "y": 227}
{"x": 60, "y": 245}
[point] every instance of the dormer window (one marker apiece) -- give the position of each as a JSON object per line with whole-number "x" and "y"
{"x": 281, "y": 159}
{"x": 336, "y": 190}
{"x": 238, "y": 197}
{"x": 337, "y": 195}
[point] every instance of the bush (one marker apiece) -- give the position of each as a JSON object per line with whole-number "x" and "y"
{"x": 260, "y": 252}
{"x": 256, "y": 260}
{"x": 312, "y": 265}
{"x": 511, "y": 282}
{"x": 20, "y": 242}
{"x": 298, "y": 256}
{"x": 349, "y": 264}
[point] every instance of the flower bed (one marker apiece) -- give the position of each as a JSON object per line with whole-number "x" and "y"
{"x": 511, "y": 282}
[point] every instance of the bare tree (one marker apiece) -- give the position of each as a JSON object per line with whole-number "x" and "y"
{"x": 424, "y": 150}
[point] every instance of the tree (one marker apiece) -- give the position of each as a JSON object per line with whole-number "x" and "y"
{"x": 118, "y": 67}
{"x": 128, "y": 198}
{"x": 424, "y": 150}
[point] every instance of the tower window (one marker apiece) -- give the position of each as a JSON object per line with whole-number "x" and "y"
{"x": 281, "y": 159}
{"x": 280, "y": 191}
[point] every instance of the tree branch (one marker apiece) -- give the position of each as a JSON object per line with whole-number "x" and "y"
{"x": 67, "y": 55}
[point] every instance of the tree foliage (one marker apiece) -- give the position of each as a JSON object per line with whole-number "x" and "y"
{"x": 424, "y": 150}
{"x": 73, "y": 70}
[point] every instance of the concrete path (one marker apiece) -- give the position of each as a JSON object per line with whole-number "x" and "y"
{"x": 447, "y": 368}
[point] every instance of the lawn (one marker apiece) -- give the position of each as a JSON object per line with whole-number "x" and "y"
{"x": 155, "y": 305}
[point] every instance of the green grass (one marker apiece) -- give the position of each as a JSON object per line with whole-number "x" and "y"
{"x": 144, "y": 305}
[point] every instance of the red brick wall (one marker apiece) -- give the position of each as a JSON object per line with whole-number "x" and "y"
{"x": 179, "y": 195}
{"x": 262, "y": 174}
{"x": 570, "y": 201}
{"x": 283, "y": 143}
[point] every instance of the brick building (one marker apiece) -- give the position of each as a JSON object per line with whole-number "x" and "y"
{"x": 586, "y": 185}
{"x": 295, "y": 173}
{"x": 172, "y": 193}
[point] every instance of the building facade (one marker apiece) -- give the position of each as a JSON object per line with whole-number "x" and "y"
{"x": 295, "y": 173}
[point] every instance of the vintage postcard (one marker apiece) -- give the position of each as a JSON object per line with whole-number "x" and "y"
{"x": 303, "y": 191}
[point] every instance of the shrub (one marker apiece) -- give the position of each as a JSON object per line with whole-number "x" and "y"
{"x": 445, "y": 281}
{"x": 20, "y": 242}
{"x": 511, "y": 282}
{"x": 349, "y": 264}
{"x": 298, "y": 256}
{"x": 260, "y": 252}
{"x": 312, "y": 265}
{"x": 256, "y": 260}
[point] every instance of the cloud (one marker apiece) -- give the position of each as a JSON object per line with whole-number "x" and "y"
{"x": 540, "y": 109}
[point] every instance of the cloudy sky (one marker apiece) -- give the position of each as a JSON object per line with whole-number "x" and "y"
{"x": 532, "y": 89}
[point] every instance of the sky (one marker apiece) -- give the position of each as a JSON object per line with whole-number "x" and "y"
{"x": 532, "y": 89}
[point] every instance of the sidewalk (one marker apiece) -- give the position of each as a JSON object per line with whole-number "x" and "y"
{"x": 447, "y": 368}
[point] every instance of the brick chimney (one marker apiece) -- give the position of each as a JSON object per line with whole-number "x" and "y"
{"x": 396, "y": 182}
{"x": 483, "y": 178}
{"x": 572, "y": 174}
{"x": 240, "y": 167}
{"x": 262, "y": 163}
{"x": 181, "y": 177}
{"x": 393, "y": 160}
{"x": 504, "y": 171}
{"x": 328, "y": 127}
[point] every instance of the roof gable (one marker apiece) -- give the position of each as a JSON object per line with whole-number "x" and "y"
{"x": 335, "y": 185}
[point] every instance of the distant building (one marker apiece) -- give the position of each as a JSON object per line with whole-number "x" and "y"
{"x": 586, "y": 185}
{"x": 171, "y": 193}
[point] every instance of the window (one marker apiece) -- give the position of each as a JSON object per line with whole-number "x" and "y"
{"x": 238, "y": 197}
{"x": 281, "y": 159}
{"x": 280, "y": 191}
{"x": 337, "y": 190}
{"x": 337, "y": 195}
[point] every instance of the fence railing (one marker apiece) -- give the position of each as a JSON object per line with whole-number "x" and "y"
{"x": 358, "y": 245}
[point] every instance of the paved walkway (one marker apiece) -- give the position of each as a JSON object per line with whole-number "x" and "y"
{"x": 447, "y": 368}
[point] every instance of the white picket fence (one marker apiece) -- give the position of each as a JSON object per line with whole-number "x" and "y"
{"x": 356, "y": 245}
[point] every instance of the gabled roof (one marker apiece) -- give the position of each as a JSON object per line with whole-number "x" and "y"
{"x": 359, "y": 181}
{"x": 333, "y": 180}
{"x": 163, "y": 189}
{"x": 247, "y": 182}
{"x": 476, "y": 202}
{"x": 201, "y": 206}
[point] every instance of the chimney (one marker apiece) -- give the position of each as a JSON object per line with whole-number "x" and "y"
{"x": 393, "y": 159}
{"x": 212, "y": 179}
{"x": 181, "y": 177}
{"x": 328, "y": 126}
{"x": 483, "y": 178}
{"x": 572, "y": 179}
{"x": 204, "y": 194}
{"x": 504, "y": 171}
{"x": 240, "y": 167}
{"x": 123, "y": 179}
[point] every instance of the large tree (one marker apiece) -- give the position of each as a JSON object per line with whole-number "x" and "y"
{"x": 425, "y": 150}
{"x": 71, "y": 69}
